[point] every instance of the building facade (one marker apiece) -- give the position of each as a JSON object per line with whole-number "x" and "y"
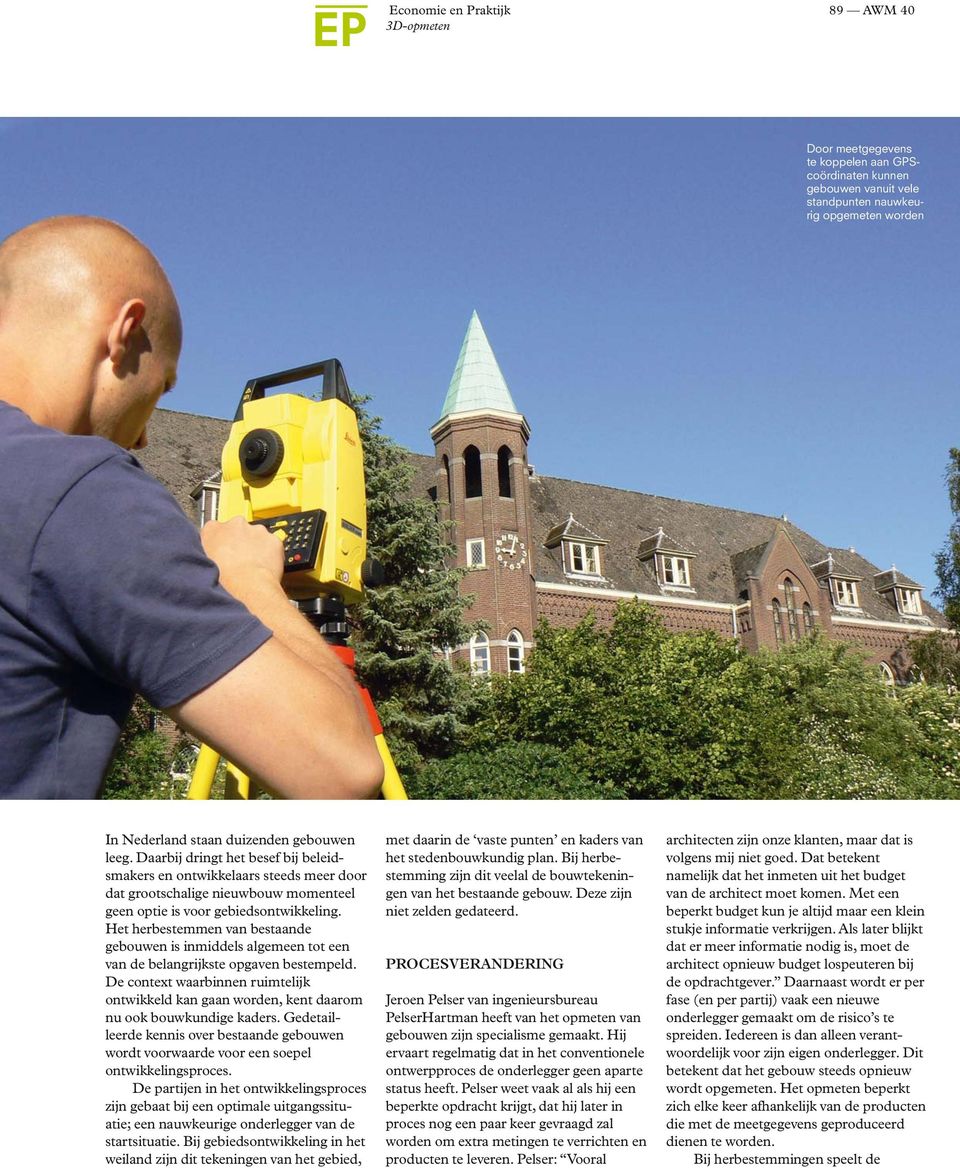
{"x": 539, "y": 547}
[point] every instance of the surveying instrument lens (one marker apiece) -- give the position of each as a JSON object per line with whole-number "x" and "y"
{"x": 261, "y": 452}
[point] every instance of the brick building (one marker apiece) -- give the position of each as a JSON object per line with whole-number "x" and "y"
{"x": 557, "y": 548}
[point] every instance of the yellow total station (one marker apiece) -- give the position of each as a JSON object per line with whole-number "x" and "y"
{"x": 295, "y": 464}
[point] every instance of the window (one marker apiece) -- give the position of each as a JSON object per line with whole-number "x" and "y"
{"x": 208, "y": 504}
{"x": 808, "y": 623}
{"x": 777, "y": 626}
{"x": 676, "y": 571}
{"x": 472, "y": 479}
{"x": 476, "y": 556}
{"x": 583, "y": 559}
{"x": 446, "y": 478}
{"x": 480, "y": 653}
{"x": 908, "y": 601}
{"x": 504, "y": 454}
{"x": 845, "y": 593}
{"x": 791, "y": 608}
{"x": 887, "y": 674}
{"x": 515, "y": 652}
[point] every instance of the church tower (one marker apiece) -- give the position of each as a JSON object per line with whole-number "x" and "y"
{"x": 483, "y": 491}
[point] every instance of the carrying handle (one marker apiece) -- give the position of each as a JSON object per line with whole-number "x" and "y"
{"x": 334, "y": 383}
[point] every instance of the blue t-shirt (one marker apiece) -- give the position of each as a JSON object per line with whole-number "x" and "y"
{"x": 104, "y": 592}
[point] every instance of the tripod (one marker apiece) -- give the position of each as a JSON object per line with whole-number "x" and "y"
{"x": 328, "y": 616}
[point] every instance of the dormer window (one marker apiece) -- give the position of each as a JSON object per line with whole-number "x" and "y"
{"x": 670, "y": 560}
{"x": 581, "y": 559}
{"x": 845, "y": 593}
{"x": 901, "y": 593}
{"x": 908, "y": 601}
{"x": 675, "y": 571}
{"x": 579, "y": 548}
{"x": 843, "y": 584}
{"x": 207, "y": 499}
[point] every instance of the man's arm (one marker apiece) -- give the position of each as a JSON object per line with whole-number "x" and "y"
{"x": 289, "y": 715}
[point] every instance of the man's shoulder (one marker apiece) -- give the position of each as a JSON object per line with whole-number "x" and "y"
{"x": 39, "y": 465}
{"x": 57, "y": 453}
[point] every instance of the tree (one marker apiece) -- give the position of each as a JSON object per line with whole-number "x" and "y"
{"x": 515, "y": 770}
{"x": 947, "y": 560}
{"x": 937, "y": 656}
{"x": 404, "y": 625}
{"x": 851, "y": 737}
{"x": 661, "y": 715}
{"x": 655, "y": 714}
{"x": 141, "y": 764}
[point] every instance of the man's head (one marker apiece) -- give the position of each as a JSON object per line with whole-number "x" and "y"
{"x": 90, "y": 330}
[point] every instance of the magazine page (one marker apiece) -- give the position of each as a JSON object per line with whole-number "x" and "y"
{"x": 595, "y": 367}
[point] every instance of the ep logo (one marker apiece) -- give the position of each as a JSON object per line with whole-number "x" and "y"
{"x": 335, "y": 24}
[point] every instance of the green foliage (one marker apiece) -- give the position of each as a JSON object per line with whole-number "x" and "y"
{"x": 935, "y": 710}
{"x": 421, "y": 700}
{"x": 829, "y": 770}
{"x": 516, "y": 770}
{"x": 141, "y": 764}
{"x": 947, "y": 560}
{"x": 937, "y": 656}
{"x": 827, "y": 689}
{"x": 659, "y": 715}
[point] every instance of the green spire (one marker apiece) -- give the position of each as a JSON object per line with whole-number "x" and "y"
{"x": 477, "y": 383}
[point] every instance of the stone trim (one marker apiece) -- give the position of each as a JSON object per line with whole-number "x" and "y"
{"x": 714, "y": 605}
{"x": 504, "y": 644}
{"x": 922, "y": 626}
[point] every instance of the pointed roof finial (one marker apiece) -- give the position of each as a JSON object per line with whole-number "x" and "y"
{"x": 477, "y": 383}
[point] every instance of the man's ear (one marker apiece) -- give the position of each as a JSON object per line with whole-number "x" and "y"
{"x": 122, "y": 335}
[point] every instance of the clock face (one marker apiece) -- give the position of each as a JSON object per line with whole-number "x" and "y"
{"x": 511, "y": 551}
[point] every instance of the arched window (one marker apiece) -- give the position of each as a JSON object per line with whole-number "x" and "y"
{"x": 449, "y": 485}
{"x": 515, "y": 652}
{"x": 504, "y": 454}
{"x": 480, "y": 653}
{"x": 791, "y": 608}
{"x": 808, "y": 624}
{"x": 887, "y": 674}
{"x": 472, "y": 480}
{"x": 777, "y": 626}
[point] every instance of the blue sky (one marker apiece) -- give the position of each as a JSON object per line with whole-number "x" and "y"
{"x": 663, "y": 312}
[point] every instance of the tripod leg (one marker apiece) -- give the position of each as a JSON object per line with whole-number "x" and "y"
{"x": 237, "y": 785}
{"x": 392, "y": 786}
{"x": 204, "y": 771}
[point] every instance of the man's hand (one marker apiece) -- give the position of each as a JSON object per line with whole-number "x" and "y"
{"x": 290, "y": 715}
{"x": 249, "y": 557}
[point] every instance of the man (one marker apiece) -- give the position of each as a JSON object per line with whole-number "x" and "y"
{"x": 105, "y": 590}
